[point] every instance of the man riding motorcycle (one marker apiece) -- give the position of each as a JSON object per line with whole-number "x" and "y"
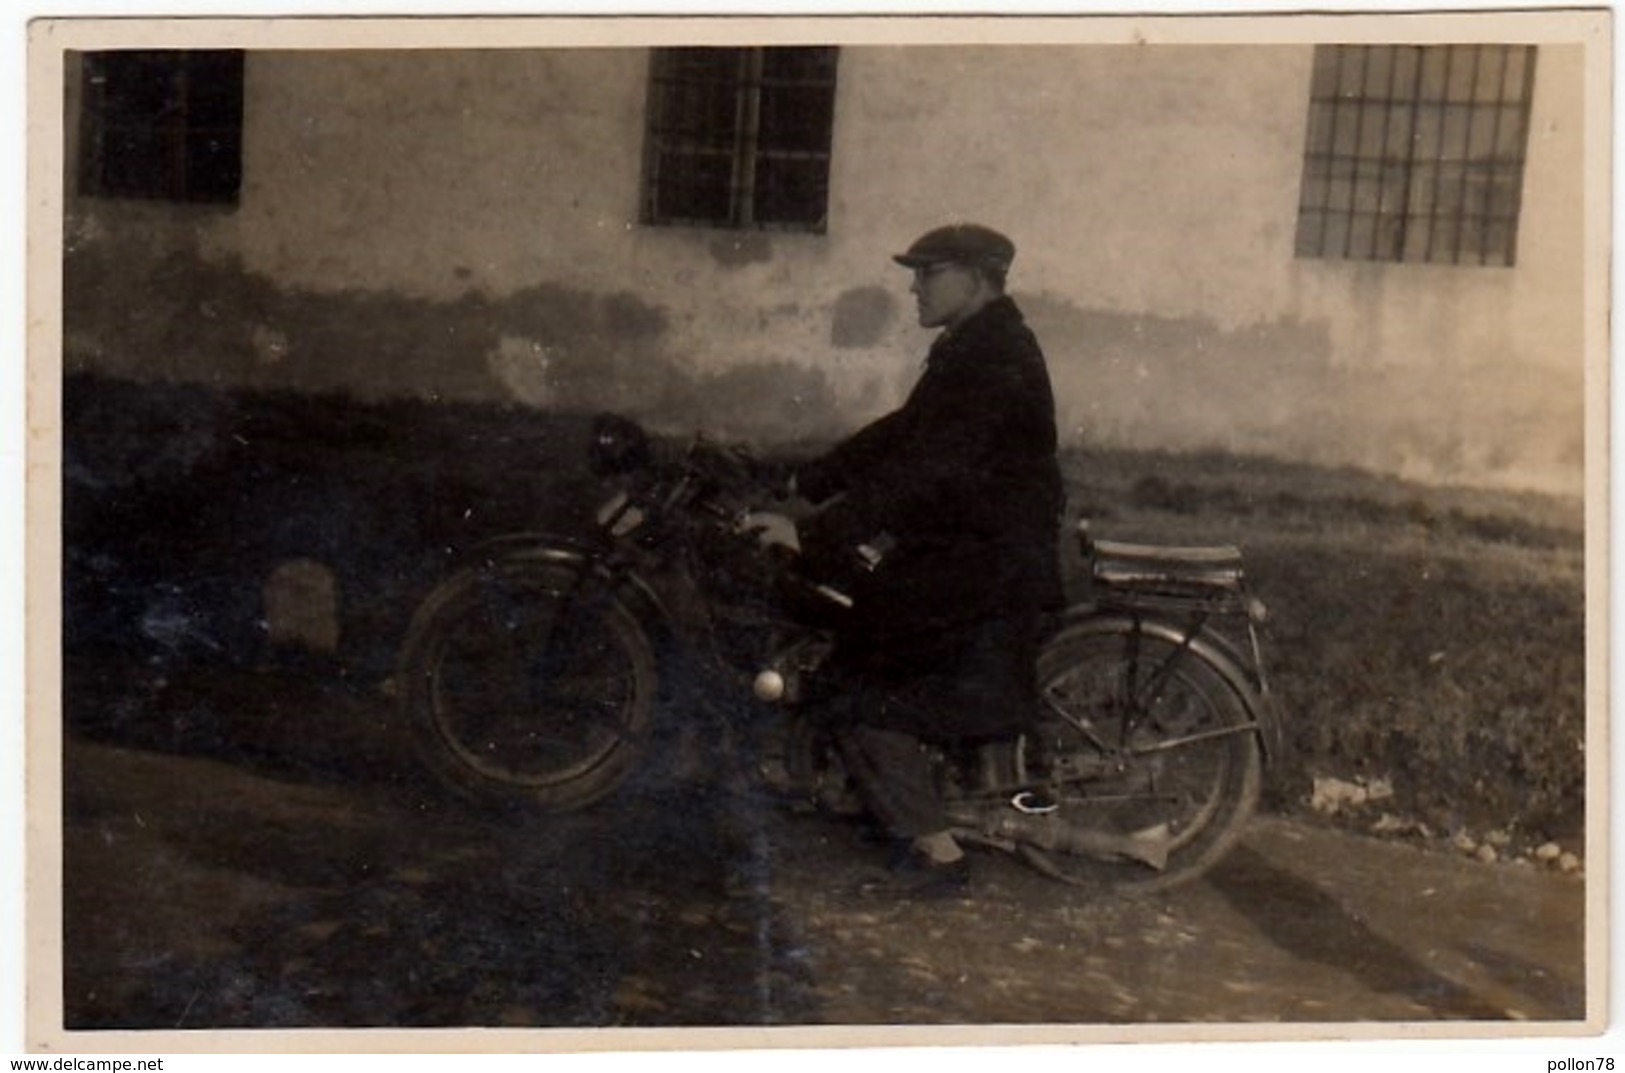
{"x": 534, "y": 673}
{"x": 956, "y": 499}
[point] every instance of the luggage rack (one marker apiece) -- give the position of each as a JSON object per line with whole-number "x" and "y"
{"x": 1200, "y": 590}
{"x": 1201, "y": 578}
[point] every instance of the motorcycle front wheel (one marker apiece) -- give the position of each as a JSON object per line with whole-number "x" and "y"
{"x": 1147, "y": 746}
{"x": 529, "y": 684}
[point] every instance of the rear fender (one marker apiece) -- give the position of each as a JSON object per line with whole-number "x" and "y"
{"x": 1213, "y": 648}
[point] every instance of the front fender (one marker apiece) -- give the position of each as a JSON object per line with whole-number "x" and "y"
{"x": 1218, "y": 651}
{"x": 558, "y": 548}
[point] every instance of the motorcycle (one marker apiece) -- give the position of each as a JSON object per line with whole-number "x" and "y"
{"x": 538, "y": 671}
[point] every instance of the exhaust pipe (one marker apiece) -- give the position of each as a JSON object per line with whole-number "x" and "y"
{"x": 1049, "y": 832}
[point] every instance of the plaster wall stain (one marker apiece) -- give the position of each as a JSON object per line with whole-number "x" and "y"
{"x": 547, "y": 346}
{"x": 861, "y": 317}
{"x": 1281, "y": 387}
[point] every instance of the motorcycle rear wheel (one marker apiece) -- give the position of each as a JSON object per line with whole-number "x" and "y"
{"x": 1144, "y": 738}
{"x": 529, "y": 684}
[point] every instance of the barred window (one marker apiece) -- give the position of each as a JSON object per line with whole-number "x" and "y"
{"x": 165, "y": 124}
{"x": 739, "y": 137}
{"x": 1416, "y": 153}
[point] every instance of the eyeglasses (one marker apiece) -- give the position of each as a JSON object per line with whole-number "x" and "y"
{"x": 925, "y": 272}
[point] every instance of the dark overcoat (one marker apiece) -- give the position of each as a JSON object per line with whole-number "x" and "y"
{"x": 963, "y": 480}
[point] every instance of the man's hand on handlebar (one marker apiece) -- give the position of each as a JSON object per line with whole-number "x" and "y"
{"x": 771, "y": 529}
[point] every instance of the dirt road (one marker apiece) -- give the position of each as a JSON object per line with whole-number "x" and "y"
{"x": 296, "y": 883}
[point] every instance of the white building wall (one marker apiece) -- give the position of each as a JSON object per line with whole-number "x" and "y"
{"x": 491, "y": 198}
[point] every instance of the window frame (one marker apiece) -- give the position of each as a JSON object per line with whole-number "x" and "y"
{"x": 1415, "y": 154}
{"x": 182, "y": 144}
{"x": 676, "y": 134}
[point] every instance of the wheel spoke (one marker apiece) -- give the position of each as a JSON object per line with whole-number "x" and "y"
{"x": 1141, "y": 734}
{"x": 525, "y": 687}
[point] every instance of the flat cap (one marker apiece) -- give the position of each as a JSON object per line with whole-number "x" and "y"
{"x": 963, "y": 244}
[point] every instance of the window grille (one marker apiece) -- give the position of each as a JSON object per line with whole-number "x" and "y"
{"x": 163, "y": 124}
{"x": 739, "y": 137}
{"x": 1416, "y": 153}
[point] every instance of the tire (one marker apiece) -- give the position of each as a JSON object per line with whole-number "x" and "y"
{"x": 1168, "y": 741}
{"x": 529, "y": 684}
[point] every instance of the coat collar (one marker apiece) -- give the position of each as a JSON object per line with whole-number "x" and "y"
{"x": 991, "y": 320}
